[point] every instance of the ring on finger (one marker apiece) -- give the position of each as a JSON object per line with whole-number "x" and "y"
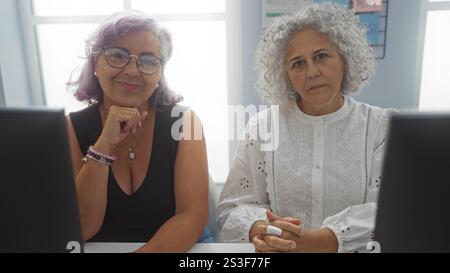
{"x": 273, "y": 230}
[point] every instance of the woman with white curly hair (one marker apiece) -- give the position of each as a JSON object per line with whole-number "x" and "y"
{"x": 316, "y": 191}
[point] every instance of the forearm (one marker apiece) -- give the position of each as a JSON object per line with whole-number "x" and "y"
{"x": 327, "y": 241}
{"x": 91, "y": 187}
{"x": 169, "y": 238}
{"x": 318, "y": 241}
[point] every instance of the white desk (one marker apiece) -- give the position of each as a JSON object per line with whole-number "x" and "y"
{"x": 197, "y": 248}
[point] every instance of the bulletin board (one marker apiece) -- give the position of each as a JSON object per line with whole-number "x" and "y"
{"x": 375, "y": 20}
{"x": 373, "y": 14}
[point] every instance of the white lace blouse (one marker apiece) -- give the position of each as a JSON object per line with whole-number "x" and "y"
{"x": 326, "y": 171}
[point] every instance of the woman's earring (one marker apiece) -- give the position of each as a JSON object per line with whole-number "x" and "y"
{"x": 157, "y": 85}
{"x": 95, "y": 74}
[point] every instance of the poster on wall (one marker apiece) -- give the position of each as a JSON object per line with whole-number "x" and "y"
{"x": 367, "y": 5}
{"x": 372, "y": 23}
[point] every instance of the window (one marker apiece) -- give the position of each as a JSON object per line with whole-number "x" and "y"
{"x": 435, "y": 82}
{"x": 74, "y": 8}
{"x": 198, "y": 70}
{"x": 177, "y": 6}
{"x": 59, "y": 58}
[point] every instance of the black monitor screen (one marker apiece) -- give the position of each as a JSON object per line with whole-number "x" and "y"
{"x": 414, "y": 201}
{"x": 37, "y": 192}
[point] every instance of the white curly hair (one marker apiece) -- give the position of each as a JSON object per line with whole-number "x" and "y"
{"x": 342, "y": 28}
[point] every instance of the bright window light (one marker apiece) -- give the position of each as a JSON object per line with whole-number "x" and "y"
{"x": 198, "y": 71}
{"x": 435, "y": 84}
{"x": 61, "y": 48}
{"x": 76, "y": 7}
{"x": 180, "y": 6}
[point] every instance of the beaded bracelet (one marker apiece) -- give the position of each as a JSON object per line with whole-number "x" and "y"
{"x": 101, "y": 158}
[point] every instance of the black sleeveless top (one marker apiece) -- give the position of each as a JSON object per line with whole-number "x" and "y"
{"x": 135, "y": 217}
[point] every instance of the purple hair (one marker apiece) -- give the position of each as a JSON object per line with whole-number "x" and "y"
{"x": 87, "y": 87}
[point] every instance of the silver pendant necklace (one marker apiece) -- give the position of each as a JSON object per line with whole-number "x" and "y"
{"x": 131, "y": 152}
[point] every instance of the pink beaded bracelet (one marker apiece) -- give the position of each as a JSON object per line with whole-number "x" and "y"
{"x": 99, "y": 157}
{"x": 110, "y": 157}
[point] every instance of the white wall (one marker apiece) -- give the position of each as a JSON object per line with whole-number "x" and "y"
{"x": 12, "y": 60}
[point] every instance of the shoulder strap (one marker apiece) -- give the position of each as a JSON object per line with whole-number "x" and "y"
{"x": 87, "y": 125}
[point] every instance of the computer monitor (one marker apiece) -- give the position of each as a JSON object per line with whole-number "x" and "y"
{"x": 414, "y": 200}
{"x": 38, "y": 207}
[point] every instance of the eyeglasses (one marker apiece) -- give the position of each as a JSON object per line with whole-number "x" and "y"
{"x": 118, "y": 57}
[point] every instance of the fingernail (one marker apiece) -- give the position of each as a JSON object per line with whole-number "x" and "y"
{"x": 302, "y": 232}
{"x": 292, "y": 245}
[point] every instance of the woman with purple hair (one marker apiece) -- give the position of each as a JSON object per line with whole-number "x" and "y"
{"x": 136, "y": 180}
